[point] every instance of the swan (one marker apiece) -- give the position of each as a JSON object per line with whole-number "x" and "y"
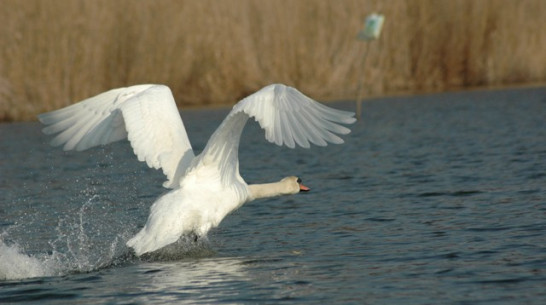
{"x": 206, "y": 187}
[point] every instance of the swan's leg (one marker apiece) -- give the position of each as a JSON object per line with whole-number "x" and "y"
{"x": 193, "y": 236}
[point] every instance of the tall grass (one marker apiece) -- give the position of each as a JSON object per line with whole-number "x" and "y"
{"x": 56, "y": 52}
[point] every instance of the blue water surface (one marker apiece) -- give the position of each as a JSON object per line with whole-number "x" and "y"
{"x": 436, "y": 199}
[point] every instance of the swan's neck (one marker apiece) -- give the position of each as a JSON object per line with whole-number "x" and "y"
{"x": 266, "y": 190}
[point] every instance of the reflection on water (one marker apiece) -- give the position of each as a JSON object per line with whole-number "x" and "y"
{"x": 215, "y": 278}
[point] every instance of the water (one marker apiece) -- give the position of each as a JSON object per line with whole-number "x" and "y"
{"x": 433, "y": 199}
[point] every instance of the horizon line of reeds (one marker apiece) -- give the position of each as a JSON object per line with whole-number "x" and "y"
{"x": 57, "y": 52}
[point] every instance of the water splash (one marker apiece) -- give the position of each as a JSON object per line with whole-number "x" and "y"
{"x": 14, "y": 264}
{"x": 86, "y": 239}
{"x": 82, "y": 244}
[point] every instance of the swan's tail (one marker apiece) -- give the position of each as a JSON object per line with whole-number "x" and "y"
{"x": 137, "y": 243}
{"x": 144, "y": 242}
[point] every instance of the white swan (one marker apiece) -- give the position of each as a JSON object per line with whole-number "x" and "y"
{"x": 206, "y": 187}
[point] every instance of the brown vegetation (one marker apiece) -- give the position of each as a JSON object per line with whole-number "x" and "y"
{"x": 56, "y": 52}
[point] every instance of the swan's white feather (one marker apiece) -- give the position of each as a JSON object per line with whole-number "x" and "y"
{"x": 209, "y": 186}
{"x": 287, "y": 116}
{"x": 145, "y": 114}
{"x": 198, "y": 205}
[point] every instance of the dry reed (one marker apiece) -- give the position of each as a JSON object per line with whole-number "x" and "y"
{"x": 56, "y": 52}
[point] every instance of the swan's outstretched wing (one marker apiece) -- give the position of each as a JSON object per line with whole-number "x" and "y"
{"x": 145, "y": 114}
{"x": 287, "y": 116}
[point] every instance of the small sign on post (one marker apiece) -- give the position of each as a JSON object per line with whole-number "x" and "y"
{"x": 372, "y": 27}
{"x": 371, "y": 31}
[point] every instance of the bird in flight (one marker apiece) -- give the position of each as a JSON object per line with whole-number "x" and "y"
{"x": 206, "y": 187}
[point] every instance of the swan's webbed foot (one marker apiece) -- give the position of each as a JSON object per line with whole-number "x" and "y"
{"x": 193, "y": 236}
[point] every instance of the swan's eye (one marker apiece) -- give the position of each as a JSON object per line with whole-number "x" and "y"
{"x": 299, "y": 180}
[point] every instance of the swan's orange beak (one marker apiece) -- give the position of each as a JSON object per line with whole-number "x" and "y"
{"x": 303, "y": 188}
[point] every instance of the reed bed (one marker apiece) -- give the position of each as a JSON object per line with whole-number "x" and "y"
{"x": 56, "y": 52}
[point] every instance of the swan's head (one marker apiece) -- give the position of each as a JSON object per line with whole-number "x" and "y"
{"x": 294, "y": 185}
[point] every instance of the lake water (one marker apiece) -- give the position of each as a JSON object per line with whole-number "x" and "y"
{"x": 437, "y": 199}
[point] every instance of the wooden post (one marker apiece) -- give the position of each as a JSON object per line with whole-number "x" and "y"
{"x": 360, "y": 86}
{"x": 371, "y": 31}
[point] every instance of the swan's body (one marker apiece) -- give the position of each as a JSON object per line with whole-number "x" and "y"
{"x": 206, "y": 187}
